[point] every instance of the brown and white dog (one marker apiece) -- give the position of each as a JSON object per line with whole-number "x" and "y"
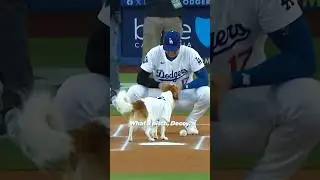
{"x": 81, "y": 153}
{"x": 149, "y": 113}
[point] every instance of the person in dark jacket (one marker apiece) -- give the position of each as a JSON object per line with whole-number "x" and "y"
{"x": 99, "y": 49}
{"x": 86, "y": 96}
{"x": 78, "y": 103}
{"x": 115, "y": 20}
{"x": 160, "y": 16}
{"x": 16, "y": 75}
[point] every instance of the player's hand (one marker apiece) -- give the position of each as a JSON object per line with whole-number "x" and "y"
{"x": 219, "y": 84}
{"x": 163, "y": 84}
{"x": 179, "y": 84}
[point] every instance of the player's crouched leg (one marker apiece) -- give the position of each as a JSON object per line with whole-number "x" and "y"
{"x": 201, "y": 105}
{"x": 296, "y": 131}
{"x": 136, "y": 92}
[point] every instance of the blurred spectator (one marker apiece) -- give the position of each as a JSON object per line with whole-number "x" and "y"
{"x": 115, "y": 20}
{"x": 160, "y": 16}
{"x": 16, "y": 73}
{"x": 98, "y": 47}
{"x": 99, "y": 56}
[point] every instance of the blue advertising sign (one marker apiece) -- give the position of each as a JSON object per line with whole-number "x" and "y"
{"x": 196, "y": 33}
{"x": 186, "y": 3}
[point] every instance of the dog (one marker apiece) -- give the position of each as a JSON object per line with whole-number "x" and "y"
{"x": 149, "y": 113}
{"x": 80, "y": 153}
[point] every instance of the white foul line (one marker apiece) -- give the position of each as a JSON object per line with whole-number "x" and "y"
{"x": 198, "y": 145}
{"x": 114, "y": 149}
{"x": 124, "y": 145}
{"x": 116, "y": 133}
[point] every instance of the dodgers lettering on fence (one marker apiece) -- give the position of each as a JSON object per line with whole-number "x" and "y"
{"x": 190, "y": 3}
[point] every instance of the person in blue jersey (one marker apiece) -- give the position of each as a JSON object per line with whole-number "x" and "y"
{"x": 265, "y": 105}
{"x": 175, "y": 63}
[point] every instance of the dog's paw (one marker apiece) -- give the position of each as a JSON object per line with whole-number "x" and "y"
{"x": 164, "y": 138}
{"x": 151, "y": 139}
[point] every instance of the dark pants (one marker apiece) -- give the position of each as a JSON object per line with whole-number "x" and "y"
{"x": 98, "y": 56}
{"x": 15, "y": 70}
{"x": 114, "y": 58}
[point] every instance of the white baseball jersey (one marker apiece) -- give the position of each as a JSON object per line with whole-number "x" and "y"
{"x": 104, "y": 14}
{"x": 159, "y": 108}
{"x": 240, "y": 30}
{"x": 180, "y": 70}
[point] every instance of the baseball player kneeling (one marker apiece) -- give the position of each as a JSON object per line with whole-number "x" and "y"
{"x": 173, "y": 62}
{"x": 266, "y": 105}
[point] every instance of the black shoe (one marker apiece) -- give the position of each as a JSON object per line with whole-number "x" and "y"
{"x": 3, "y": 126}
{"x": 113, "y": 93}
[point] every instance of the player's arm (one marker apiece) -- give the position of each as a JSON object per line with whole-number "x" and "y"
{"x": 202, "y": 77}
{"x": 296, "y": 58}
{"x": 145, "y": 71}
{"x": 145, "y": 80}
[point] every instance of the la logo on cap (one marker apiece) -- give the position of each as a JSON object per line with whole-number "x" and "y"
{"x": 170, "y": 41}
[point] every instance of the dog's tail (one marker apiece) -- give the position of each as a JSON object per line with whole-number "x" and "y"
{"x": 123, "y": 103}
{"x": 40, "y": 136}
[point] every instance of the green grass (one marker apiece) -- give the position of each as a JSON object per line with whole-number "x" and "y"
{"x": 12, "y": 158}
{"x": 57, "y": 52}
{"x": 160, "y": 176}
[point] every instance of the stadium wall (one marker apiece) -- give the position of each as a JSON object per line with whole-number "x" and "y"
{"x": 75, "y": 18}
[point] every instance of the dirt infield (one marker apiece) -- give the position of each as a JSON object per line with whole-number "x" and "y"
{"x": 219, "y": 175}
{"x": 241, "y": 174}
{"x": 191, "y": 155}
{"x": 178, "y": 154}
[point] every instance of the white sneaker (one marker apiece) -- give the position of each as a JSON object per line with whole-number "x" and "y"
{"x": 113, "y": 101}
{"x": 192, "y": 129}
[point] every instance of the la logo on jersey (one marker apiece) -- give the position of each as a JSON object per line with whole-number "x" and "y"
{"x": 225, "y": 39}
{"x": 170, "y": 41}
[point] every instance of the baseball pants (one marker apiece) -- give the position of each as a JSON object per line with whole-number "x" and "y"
{"x": 81, "y": 98}
{"x": 280, "y": 122}
{"x": 196, "y": 100}
{"x": 153, "y": 28}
